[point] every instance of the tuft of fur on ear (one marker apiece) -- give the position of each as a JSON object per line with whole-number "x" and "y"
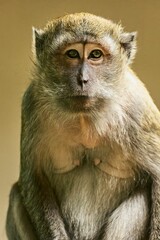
{"x": 38, "y": 42}
{"x": 128, "y": 43}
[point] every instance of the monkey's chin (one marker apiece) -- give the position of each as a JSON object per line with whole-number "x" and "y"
{"x": 80, "y": 104}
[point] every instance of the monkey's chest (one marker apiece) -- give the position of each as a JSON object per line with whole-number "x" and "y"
{"x": 89, "y": 182}
{"x": 82, "y": 145}
{"x": 107, "y": 161}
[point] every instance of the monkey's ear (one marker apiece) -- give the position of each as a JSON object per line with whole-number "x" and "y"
{"x": 38, "y": 42}
{"x": 128, "y": 43}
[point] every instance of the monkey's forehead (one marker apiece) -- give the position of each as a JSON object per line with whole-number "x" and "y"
{"x": 82, "y": 27}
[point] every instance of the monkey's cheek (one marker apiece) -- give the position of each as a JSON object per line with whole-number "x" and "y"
{"x": 112, "y": 171}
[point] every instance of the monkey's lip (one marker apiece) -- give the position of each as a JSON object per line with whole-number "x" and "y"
{"x": 80, "y": 98}
{"x": 83, "y": 100}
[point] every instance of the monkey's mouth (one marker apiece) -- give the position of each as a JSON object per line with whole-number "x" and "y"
{"x": 79, "y": 103}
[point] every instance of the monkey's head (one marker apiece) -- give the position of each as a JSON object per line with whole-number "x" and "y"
{"x": 81, "y": 60}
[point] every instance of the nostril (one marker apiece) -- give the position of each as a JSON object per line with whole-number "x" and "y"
{"x": 82, "y": 79}
{"x": 85, "y": 80}
{"x": 82, "y": 82}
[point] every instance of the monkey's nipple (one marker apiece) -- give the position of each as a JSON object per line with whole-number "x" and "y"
{"x": 114, "y": 171}
{"x": 97, "y": 161}
{"x": 76, "y": 162}
{"x": 67, "y": 166}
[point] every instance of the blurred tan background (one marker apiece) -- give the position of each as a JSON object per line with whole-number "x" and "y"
{"x": 16, "y": 20}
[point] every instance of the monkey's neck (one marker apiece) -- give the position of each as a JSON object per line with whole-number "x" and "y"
{"x": 89, "y": 137}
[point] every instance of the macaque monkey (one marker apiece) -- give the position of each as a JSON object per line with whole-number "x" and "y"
{"x": 90, "y": 142}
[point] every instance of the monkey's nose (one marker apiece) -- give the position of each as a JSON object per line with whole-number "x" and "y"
{"x": 82, "y": 81}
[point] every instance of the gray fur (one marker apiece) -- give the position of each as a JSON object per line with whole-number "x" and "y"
{"x": 63, "y": 191}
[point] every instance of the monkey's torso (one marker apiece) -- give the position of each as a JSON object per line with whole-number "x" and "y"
{"x": 87, "y": 197}
{"x": 91, "y": 181}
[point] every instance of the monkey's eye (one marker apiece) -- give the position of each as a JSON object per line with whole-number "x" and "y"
{"x": 96, "y": 54}
{"x": 72, "y": 53}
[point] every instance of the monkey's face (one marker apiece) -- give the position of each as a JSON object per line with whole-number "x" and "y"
{"x": 82, "y": 60}
{"x": 83, "y": 74}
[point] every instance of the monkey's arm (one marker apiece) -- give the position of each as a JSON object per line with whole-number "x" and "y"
{"x": 18, "y": 224}
{"x": 143, "y": 143}
{"x": 40, "y": 203}
{"x": 37, "y": 195}
{"x": 153, "y": 165}
{"x": 146, "y": 148}
{"x": 155, "y": 221}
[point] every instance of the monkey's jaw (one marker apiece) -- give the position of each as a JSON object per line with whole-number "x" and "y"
{"x": 79, "y": 103}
